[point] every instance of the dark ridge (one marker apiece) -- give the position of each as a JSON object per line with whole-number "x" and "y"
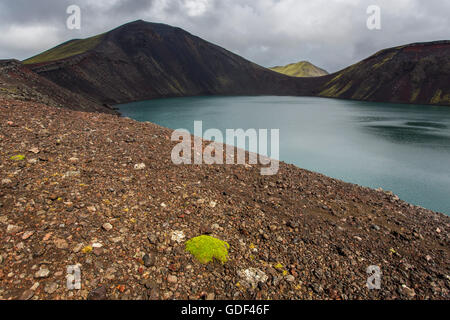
{"x": 142, "y": 60}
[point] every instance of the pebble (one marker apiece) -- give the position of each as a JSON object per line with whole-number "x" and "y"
{"x": 178, "y": 236}
{"x": 35, "y": 286}
{"x": 139, "y": 166}
{"x": 77, "y": 248}
{"x": 215, "y": 226}
{"x": 61, "y": 244}
{"x": 149, "y": 260}
{"x": 375, "y": 227}
{"x": 117, "y": 239}
{"x": 97, "y": 294}
{"x": 50, "y": 288}
{"x": 27, "y": 295}
{"x": 172, "y": 279}
{"x": 152, "y": 238}
{"x": 11, "y": 229}
{"x": 408, "y": 291}
{"x": 70, "y": 174}
{"x": 27, "y": 234}
{"x": 42, "y": 273}
{"x": 97, "y": 251}
{"x": 213, "y": 204}
{"x": 290, "y": 278}
{"x": 107, "y": 226}
{"x": 253, "y": 276}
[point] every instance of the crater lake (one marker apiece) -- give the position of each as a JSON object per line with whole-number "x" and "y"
{"x": 401, "y": 148}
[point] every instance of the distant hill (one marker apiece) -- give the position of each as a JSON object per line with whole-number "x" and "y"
{"x": 302, "y": 69}
{"x": 416, "y": 73}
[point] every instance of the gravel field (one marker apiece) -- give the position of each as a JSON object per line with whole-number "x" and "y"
{"x": 100, "y": 191}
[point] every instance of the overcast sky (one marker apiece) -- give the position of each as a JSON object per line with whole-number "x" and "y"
{"x": 330, "y": 33}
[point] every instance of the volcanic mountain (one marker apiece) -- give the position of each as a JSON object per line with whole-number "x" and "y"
{"x": 416, "y": 73}
{"x": 302, "y": 69}
{"x": 142, "y": 60}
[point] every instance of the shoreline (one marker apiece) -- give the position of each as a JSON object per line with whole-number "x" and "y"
{"x": 411, "y": 200}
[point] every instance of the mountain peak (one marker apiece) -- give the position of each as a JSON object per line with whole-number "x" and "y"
{"x": 301, "y": 69}
{"x": 143, "y": 60}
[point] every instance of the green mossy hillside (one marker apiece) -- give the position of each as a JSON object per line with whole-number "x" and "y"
{"x": 302, "y": 69}
{"x": 66, "y": 50}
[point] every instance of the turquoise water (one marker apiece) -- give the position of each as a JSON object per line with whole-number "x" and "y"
{"x": 402, "y": 148}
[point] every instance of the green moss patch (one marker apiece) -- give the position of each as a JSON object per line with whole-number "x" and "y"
{"x": 206, "y": 248}
{"x": 18, "y": 157}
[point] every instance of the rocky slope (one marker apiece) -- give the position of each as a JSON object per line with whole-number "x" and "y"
{"x": 18, "y": 82}
{"x": 142, "y": 60}
{"x": 101, "y": 191}
{"x": 416, "y": 73}
{"x": 302, "y": 69}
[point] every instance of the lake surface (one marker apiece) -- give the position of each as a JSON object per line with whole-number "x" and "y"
{"x": 402, "y": 148}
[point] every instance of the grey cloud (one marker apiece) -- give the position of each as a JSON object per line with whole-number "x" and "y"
{"x": 330, "y": 33}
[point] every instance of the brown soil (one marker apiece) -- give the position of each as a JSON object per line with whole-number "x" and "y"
{"x": 312, "y": 236}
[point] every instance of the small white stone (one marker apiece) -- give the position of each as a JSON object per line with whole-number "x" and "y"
{"x": 107, "y": 226}
{"x": 213, "y": 204}
{"x": 71, "y": 174}
{"x": 253, "y": 276}
{"x": 42, "y": 273}
{"x": 178, "y": 236}
{"x": 215, "y": 226}
{"x": 290, "y": 278}
{"x": 117, "y": 239}
{"x": 10, "y": 229}
{"x": 139, "y": 166}
{"x": 35, "y": 286}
